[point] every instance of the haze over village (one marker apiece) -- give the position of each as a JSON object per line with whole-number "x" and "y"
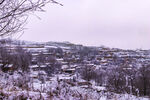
{"x": 117, "y": 24}
{"x": 74, "y": 50}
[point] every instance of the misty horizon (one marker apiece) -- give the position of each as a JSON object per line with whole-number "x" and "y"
{"x": 116, "y": 24}
{"x": 82, "y": 44}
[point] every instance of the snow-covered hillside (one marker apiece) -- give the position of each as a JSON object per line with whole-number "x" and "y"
{"x": 66, "y": 71}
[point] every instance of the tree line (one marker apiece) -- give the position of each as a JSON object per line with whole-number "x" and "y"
{"x": 120, "y": 79}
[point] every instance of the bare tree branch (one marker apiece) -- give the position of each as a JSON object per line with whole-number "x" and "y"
{"x": 14, "y": 13}
{"x": 1, "y": 2}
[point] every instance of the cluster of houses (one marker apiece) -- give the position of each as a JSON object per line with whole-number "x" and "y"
{"x": 72, "y": 57}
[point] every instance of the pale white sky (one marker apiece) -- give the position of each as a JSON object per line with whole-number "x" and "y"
{"x": 113, "y": 23}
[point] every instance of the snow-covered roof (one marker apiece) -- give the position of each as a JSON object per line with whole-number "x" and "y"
{"x": 99, "y": 88}
{"x": 64, "y": 66}
{"x": 48, "y": 46}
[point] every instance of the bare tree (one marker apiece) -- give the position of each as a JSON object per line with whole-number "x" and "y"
{"x": 14, "y": 13}
{"x": 5, "y": 58}
{"x": 87, "y": 72}
{"x": 14, "y": 59}
{"x": 21, "y": 59}
{"x": 143, "y": 80}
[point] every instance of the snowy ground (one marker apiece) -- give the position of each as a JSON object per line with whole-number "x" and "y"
{"x": 17, "y": 87}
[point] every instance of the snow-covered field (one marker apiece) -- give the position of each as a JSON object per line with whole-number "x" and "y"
{"x": 68, "y": 83}
{"x": 18, "y": 87}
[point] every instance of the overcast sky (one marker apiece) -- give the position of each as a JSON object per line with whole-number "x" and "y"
{"x": 113, "y": 23}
